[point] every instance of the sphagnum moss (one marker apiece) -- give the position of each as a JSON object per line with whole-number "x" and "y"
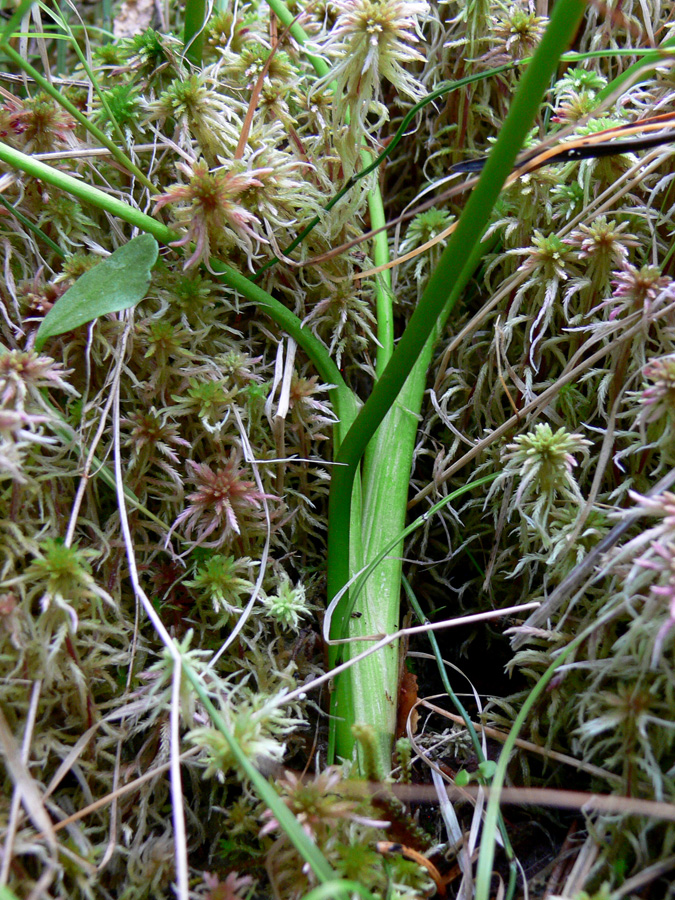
{"x": 580, "y": 261}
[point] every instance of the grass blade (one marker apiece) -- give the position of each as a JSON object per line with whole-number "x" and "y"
{"x": 196, "y": 16}
{"x": 306, "y": 847}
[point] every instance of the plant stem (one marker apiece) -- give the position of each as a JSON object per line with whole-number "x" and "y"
{"x": 664, "y": 51}
{"x": 383, "y": 295}
{"x": 487, "y": 845}
{"x": 100, "y": 136}
{"x": 288, "y": 19}
{"x": 345, "y": 402}
{"x": 383, "y": 513}
{"x": 303, "y": 844}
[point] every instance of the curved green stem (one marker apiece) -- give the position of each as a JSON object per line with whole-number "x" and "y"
{"x": 100, "y": 136}
{"x": 85, "y": 192}
{"x": 664, "y": 51}
{"x": 345, "y": 402}
{"x": 287, "y": 18}
{"x": 59, "y": 17}
{"x": 384, "y": 299}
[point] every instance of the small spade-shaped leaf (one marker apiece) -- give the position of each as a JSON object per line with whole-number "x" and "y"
{"x": 117, "y": 283}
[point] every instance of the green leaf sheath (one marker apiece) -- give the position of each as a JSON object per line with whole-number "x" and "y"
{"x": 196, "y": 16}
{"x": 445, "y": 286}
